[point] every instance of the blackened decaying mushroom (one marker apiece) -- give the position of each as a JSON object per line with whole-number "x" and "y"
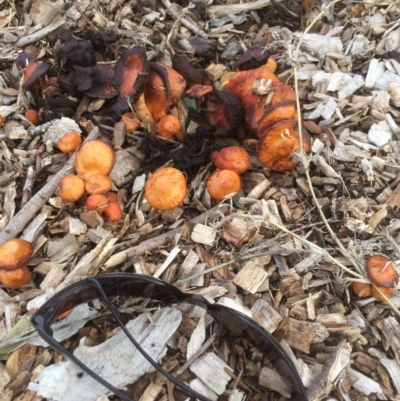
{"x": 224, "y": 111}
{"x": 252, "y": 59}
{"x": 51, "y": 108}
{"x": 193, "y": 75}
{"x": 131, "y": 74}
{"x": 74, "y": 53}
{"x": 100, "y": 39}
{"x": 33, "y": 71}
{"x": 163, "y": 90}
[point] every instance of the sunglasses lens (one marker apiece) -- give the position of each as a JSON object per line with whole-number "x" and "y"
{"x": 206, "y": 355}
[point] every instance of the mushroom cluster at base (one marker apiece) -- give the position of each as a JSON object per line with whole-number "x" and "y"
{"x": 14, "y": 254}
{"x": 382, "y": 273}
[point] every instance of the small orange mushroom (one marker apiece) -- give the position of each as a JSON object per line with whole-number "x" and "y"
{"x": 386, "y": 291}
{"x": 113, "y": 211}
{"x": 381, "y": 271}
{"x": 98, "y": 184}
{"x": 97, "y": 202}
{"x": 33, "y": 71}
{"x": 168, "y": 126}
{"x": 33, "y": 116}
{"x": 71, "y": 188}
{"x": 93, "y": 157}
{"x": 69, "y": 142}
{"x": 1, "y": 121}
{"x": 112, "y": 196}
{"x": 223, "y": 183}
{"x": 362, "y": 290}
{"x": 15, "y": 253}
{"x": 233, "y": 158}
{"x": 278, "y": 143}
{"x": 165, "y": 189}
{"x": 15, "y": 278}
{"x": 131, "y": 122}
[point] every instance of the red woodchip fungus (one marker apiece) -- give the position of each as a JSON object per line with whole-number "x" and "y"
{"x": 69, "y": 142}
{"x": 223, "y": 184}
{"x": 130, "y": 76}
{"x": 224, "y": 111}
{"x": 381, "y": 271}
{"x": 33, "y": 116}
{"x": 94, "y": 156}
{"x": 278, "y": 143}
{"x": 131, "y": 122}
{"x": 386, "y": 291}
{"x": 168, "y": 126}
{"x": 71, "y": 188}
{"x": 233, "y": 158}
{"x": 101, "y": 87}
{"x": 165, "y": 189}
{"x": 32, "y": 72}
{"x": 113, "y": 212}
{"x": 163, "y": 90}
{"x": 98, "y": 184}
{"x": 280, "y": 111}
{"x": 197, "y": 91}
{"x": 362, "y": 290}
{"x": 97, "y": 202}
{"x": 16, "y": 278}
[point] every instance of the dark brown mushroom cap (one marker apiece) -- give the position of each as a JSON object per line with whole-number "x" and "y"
{"x": 278, "y": 143}
{"x": 380, "y": 271}
{"x": 101, "y": 87}
{"x": 224, "y": 111}
{"x": 252, "y": 59}
{"x": 33, "y": 71}
{"x": 15, "y": 253}
{"x": 193, "y": 75}
{"x": 130, "y": 76}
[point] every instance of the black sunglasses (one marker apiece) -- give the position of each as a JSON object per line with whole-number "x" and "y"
{"x": 129, "y": 285}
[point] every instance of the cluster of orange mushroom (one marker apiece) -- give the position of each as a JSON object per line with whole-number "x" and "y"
{"x": 381, "y": 272}
{"x": 14, "y": 255}
{"x": 94, "y": 162}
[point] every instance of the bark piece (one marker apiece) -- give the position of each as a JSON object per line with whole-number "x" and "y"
{"x": 271, "y": 379}
{"x": 265, "y": 315}
{"x": 251, "y": 277}
{"x": 203, "y": 234}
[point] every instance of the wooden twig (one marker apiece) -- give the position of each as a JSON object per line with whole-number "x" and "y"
{"x": 39, "y": 34}
{"x": 213, "y": 11}
{"x": 156, "y": 242}
{"x": 28, "y": 212}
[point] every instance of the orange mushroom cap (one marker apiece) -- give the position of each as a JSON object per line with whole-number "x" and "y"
{"x": 71, "y": 188}
{"x": 69, "y": 142}
{"x": 280, "y": 111}
{"x": 97, "y": 202}
{"x": 33, "y": 71}
{"x": 131, "y": 122}
{"x": 94, "y": 156}
{"x": 98, "y": 184}
{"x": 362, "y": 290}
{"x": 168, "y": 126}
{"x": 16, "y": 278}
{"x": 277, "y": 144}
{"x": 197, "y": 91}
{"x": 387, "y": 291}
{"x": 381, "y": 271}
{"x": 1, "y": 121}
{"x": 223, "y": 183}
{"x": 33, "y": 116}
{"x": 15, "y": 253}
{"x": 233, "y": 158}
{"x": 165, "y": 189}
{"x": 113, "y": 212}
{"x": 164, "y": 89}
{"x": 112, "y": 197}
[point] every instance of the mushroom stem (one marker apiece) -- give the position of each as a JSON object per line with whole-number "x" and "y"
{"x": 28, "y": 212}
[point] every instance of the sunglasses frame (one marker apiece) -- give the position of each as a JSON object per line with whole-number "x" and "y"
{"x": 55, "y": 306}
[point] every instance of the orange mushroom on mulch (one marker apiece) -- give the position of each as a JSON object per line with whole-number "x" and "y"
{"x": 386, "y": 291}
{"x": 33, "y": 116}
{"x": 234, "y": 158}
{"x": 32, "y": 72}
{"x": 362, "y": 290}
{"x": 381, "y": 272}
{"x": 97, "y": 202}
{"x": 93, "y": 157}
{"x": 69, "y": 142}
{"x": 223, "y": 184}
{"x": 98, "y": 184}
{"x": 165, "y": 189}
{"x": 280, "y": 111}
{"x": 168, "y": 126}
{"x": 131, "y": 122}
{"x": 71, "y": 188}
{"x": 14, "y": 254}
{"x": 278, "y": 143}
{"x": 113, "y": 211}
